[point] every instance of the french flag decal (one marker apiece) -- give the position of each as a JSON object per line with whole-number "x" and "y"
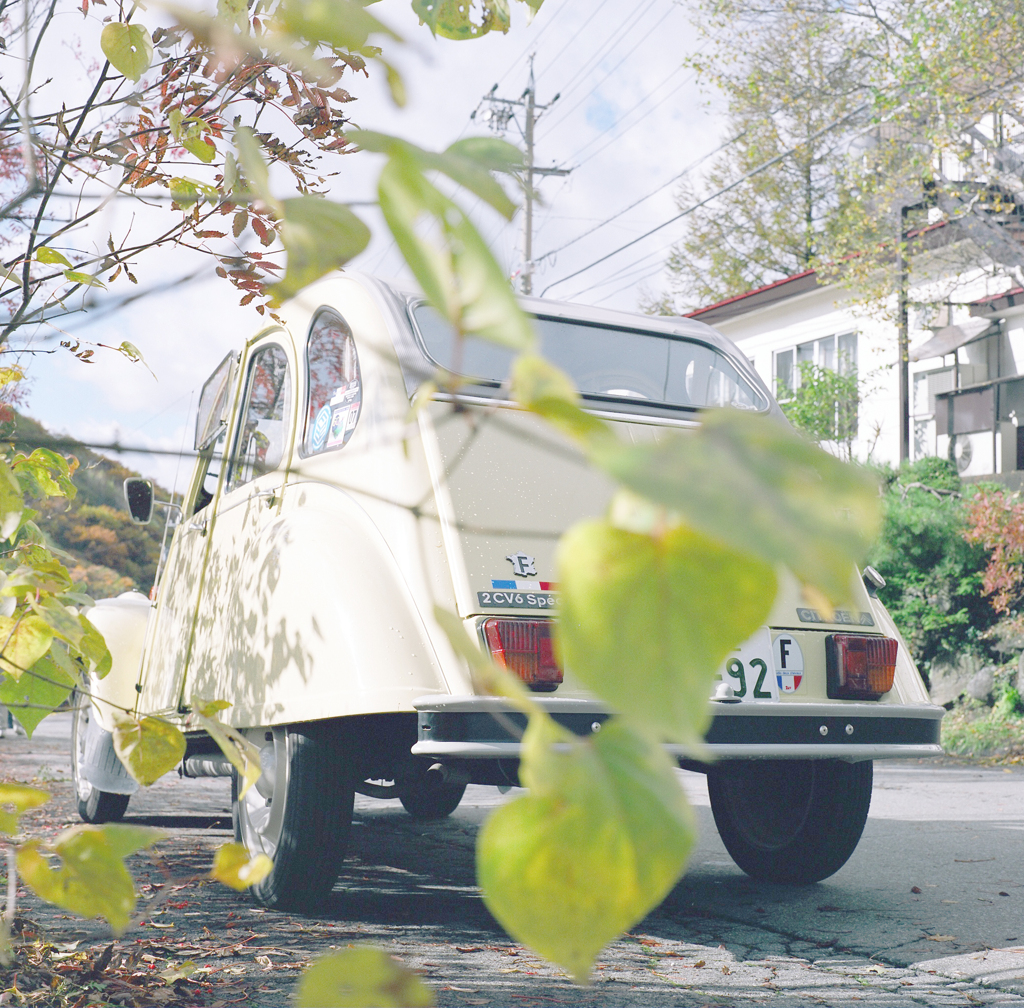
{"x": 528, "y": 586}
{"x": 789, "y": 663}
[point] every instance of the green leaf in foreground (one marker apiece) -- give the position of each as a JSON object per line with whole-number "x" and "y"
{"x": 459, "y": 276}
{"x": 757, "y": 486}
{"x": 452, "y": 18}
{"x": 148, "y": 747}
{"x": 598, "y": 842}
{"x": 361, "y": 977}
{"x": 233, "y": 866}
{"x": 50, "y": 256}
{"x": 128, "y": 47}
{"x": 34, "y": 696}
{"x": 647, "y": 619}
{"x": 23, "y": 641}
{"x": 92, "y": 880}
{"x": 20, "y": 798}
{"x": 319, "y": 236}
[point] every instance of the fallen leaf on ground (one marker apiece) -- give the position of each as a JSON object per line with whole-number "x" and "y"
{"x": 941, "y": 937}
{"x": 915, "y": 889}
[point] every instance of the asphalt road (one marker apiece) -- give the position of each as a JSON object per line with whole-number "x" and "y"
{"x": 864, "y": 936}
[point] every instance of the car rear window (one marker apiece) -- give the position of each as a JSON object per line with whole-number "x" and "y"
{"x": 605, "y": 362}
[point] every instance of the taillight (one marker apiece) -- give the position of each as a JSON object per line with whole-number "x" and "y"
{"x": 859, "y": 667}
{"x": 524, "y": 647}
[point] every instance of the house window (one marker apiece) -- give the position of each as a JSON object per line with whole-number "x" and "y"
{"x": 837, "y": 353}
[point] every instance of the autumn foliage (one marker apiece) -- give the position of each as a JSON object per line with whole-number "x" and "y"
{"x": 995, "y": 519}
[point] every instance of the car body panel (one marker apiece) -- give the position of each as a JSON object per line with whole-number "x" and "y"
{"x": 308, "y": 592}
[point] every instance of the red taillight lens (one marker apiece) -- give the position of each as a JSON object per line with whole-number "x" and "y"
{"x": 524, "y": 647}
{"x": 859, "y": 667}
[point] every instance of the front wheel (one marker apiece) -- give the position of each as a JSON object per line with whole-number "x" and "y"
{"x": 299, "y": 814}
{"x": 94, "y": 805}
{"x": 790, "y": 821}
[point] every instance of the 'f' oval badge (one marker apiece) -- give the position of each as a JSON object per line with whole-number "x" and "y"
{"x": 789, "y": 663}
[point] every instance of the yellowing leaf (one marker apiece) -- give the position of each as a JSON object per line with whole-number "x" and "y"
{"x": 341, "y": 24}
{"x": 128, "y": 47}
{"x": 64, "y": 622}
{"x": 250, "y": 157}
{"x": 235, "y": 12}
{"x": 22, "y": 798}
{"x": 43, "y": 688}
{"x": 201, "y": 148}
{"x": 756, "y": 485}
{"x": 23, "y": 641}
{"x": 92, "y": 880}
{"x": 647, "y": 619}
{"x": 180, "y": 972}
{"x": 76, "y": 276}
{"x": 548, "y": 391}
{"x": 187, "y": 190}
{"x": 598, "y": 842}
{"x": 174, "y": 119}
{"x": 319, "y": 236}
{"x": 49, "y": 255}
{"x": 233, "y": 866}
{"x": 148, "y": 747}
{"x": 11, "y": 503}
{"x": 361, "y": 978}
{"x": 94, "y": 648}
{"x": 453, "y": 18}
{"x": 241, "y": 753}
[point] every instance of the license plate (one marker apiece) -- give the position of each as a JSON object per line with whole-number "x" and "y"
{"x": 750, "y": 669}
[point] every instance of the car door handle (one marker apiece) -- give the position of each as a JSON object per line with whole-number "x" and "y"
{"x": 198, "y": 526}
{"x": 268, "y": 495}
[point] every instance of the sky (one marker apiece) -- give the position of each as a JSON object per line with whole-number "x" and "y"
{"x": 628, "y": 120}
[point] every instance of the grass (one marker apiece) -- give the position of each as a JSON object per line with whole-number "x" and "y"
{"x": 976, "y": 730}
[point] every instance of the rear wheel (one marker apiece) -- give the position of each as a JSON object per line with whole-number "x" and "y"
{"x": 790, "y": 821}
{"x": 299, "y": 814}
{"x": 94, "y": 805}
{"x": 423, "y": 799}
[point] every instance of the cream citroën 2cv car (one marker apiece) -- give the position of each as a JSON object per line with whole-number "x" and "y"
{"x": 323, "y": 525}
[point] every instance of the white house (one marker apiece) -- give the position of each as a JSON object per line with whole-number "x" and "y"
{"x": 966, "y": 371}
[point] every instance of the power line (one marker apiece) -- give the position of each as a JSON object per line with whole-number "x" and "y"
{"x": 721, "y": 192}
{"x": 594, "y": 87}
{"x": 675, "y": 178}
{"x": 579, "y": 75}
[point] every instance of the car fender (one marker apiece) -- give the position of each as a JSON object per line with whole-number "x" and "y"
{"x": 322, "y": 623}
{"x": 122, "y": 621}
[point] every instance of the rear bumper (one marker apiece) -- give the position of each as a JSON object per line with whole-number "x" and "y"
{"x": 487, "y": 728}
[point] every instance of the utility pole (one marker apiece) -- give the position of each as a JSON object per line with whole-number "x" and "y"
{"x": 500, "y": 112}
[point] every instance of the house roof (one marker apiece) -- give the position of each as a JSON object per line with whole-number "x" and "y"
{"x": 1012, "y": 298}
{"x": 932, "y": 236}
{"x": 759, "y": 297}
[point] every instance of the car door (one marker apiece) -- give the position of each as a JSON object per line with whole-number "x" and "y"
{"x": 230, "y": 652}
{"x": 178, "y": 588}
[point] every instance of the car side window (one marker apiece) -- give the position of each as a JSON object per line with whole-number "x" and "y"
{"x": 333, "y": 383}
{"x": 263, "y": 432}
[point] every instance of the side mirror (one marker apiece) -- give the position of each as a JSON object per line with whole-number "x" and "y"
{"x": 138, "y": 493}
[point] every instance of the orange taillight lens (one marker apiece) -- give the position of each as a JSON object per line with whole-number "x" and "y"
{"x": 859, "y": 667}
{"x": 524, "y": 647}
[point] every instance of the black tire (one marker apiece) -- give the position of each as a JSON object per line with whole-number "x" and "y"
{"x": 792, "y": 822}
{"x": 300, "y": 818}
{"x": 423, "y": 799}
{"x": 94, "y": 806}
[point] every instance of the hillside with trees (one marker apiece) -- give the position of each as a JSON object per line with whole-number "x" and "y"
{"x": 108, "y": 554}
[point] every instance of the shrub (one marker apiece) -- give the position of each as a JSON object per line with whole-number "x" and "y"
{"x": 933, "y": 574}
